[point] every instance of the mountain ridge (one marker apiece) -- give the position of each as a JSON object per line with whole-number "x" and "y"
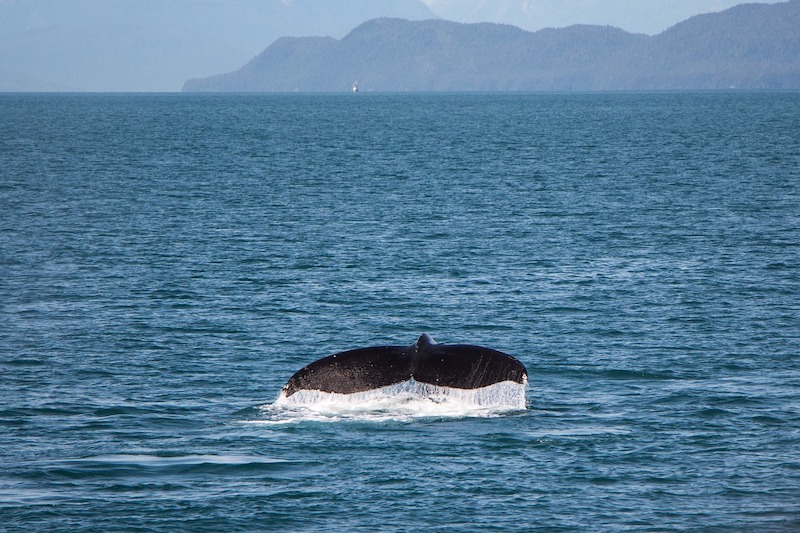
{"x": 746, "y": 46}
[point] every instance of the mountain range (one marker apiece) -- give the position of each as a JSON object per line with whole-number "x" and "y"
{"x": 746, "y": 46}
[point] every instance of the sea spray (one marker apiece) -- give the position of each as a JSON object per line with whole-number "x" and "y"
{"x": 403, "y": 401}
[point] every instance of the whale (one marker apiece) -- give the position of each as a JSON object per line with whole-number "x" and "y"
{"x": 460, "y": 366}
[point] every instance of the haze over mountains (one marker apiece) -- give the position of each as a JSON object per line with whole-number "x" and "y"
{"x": 747, "y": 46}
{"x": 635, "y": 16}
{"x": 156, "y": 45}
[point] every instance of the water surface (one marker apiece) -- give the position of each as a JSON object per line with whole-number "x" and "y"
{"x": 169, "y": 261}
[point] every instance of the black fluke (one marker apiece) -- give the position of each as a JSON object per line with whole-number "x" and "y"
{"x": 449, "y": 365}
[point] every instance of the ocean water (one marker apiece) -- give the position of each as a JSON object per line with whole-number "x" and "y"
{"x": 167, "y": 262}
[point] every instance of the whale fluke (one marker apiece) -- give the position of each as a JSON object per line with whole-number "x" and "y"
{"x": 461, "y": 366}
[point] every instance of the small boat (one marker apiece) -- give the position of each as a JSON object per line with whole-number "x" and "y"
{"x": 355, "y": 86}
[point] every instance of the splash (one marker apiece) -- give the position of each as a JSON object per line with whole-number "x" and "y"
{"x": 404, "y": 401}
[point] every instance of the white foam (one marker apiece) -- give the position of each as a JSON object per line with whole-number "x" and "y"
{"x": 403, "y": 401}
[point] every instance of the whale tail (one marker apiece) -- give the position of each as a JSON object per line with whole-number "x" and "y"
{"x": 460, "y": 366}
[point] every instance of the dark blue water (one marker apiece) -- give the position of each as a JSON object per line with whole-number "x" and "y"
{"x": 168, "y": 261}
